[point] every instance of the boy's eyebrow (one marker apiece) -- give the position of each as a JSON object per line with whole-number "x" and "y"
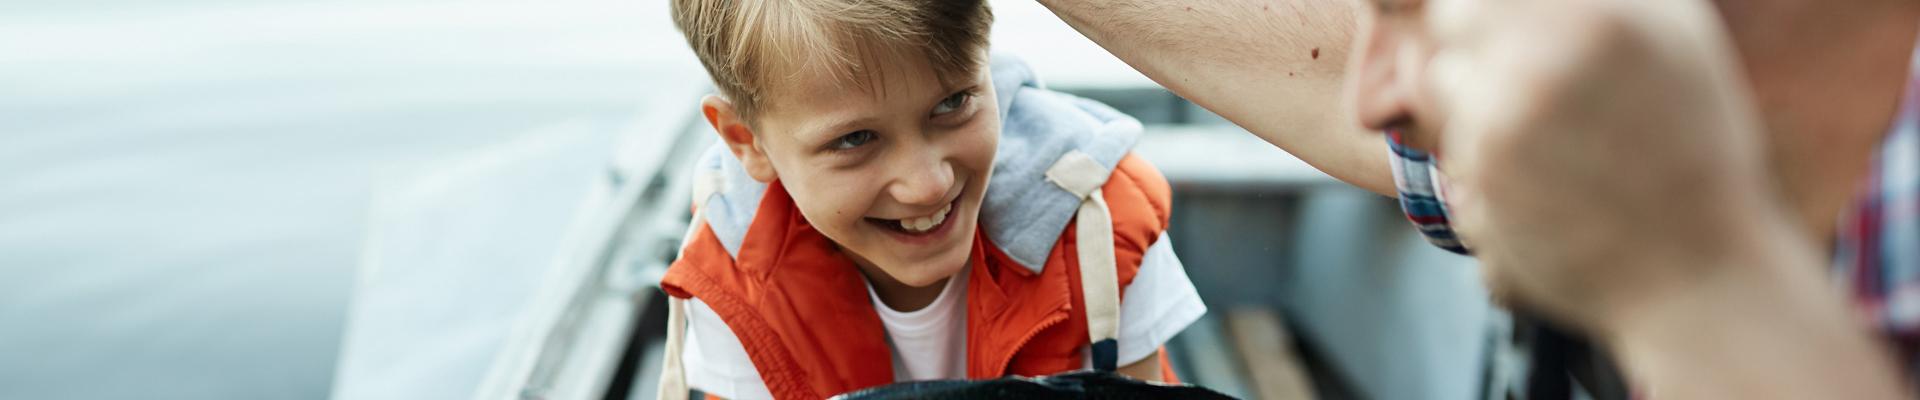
{"x": 835, "y": 126}
{"x": 829, "y": 130}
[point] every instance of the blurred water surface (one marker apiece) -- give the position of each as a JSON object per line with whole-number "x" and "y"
{"x": 184, "y": 186}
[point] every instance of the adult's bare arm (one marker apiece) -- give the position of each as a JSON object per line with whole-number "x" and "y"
{"x": 1272, "y": 67}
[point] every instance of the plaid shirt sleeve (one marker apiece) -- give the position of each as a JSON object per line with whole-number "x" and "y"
{"x": 1877, "y": 246}
{"x": 1423, "y": 194}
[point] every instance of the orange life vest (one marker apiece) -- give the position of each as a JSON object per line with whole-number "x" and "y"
{"x": 801, "y": 309}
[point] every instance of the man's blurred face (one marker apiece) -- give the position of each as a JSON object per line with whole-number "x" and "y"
{"x": 1826, "y": 78}
{"x": 1809, "y": 82}
{"x": 1388, "y": 64}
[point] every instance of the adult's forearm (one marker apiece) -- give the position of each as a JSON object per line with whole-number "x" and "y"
{"x": 1272, "y": 67}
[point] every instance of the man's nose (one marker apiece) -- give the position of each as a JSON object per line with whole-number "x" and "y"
{"x": 1387, "y": 87}
{"x": 1381, "y": 88}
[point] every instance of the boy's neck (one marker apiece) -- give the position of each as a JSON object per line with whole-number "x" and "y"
{"x": 894, "y": 294}
{"x": 900, "y": 297}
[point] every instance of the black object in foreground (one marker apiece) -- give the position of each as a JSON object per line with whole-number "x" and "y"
{"x": 1077, "y": 385}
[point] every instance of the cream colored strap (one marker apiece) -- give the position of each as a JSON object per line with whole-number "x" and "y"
{"x": 1099, "y": 283}
{"x": 673, "y": 377}
{"x": 705, "y": 184}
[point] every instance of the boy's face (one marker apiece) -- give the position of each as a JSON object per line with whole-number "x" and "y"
{"x": 893, "y": 174}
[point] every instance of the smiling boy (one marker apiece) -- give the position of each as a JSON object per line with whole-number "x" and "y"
{"x": 847, "y": 236}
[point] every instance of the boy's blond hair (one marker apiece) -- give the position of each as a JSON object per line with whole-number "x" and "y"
{"x": 747, "y": 44}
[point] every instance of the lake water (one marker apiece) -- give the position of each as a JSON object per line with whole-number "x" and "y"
{"x": 184, "y": 188}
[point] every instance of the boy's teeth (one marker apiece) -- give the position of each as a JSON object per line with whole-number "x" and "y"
{"x": 923, "y": 224}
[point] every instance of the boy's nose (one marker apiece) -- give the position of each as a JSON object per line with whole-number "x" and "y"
{"x": 924, "y": 186}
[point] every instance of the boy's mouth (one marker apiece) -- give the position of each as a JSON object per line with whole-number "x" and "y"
{"x": 917, "y": 226}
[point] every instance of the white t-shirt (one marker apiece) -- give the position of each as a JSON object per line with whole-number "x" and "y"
{"x": 935, "y": 334}
{"x": 1159, "y": 303}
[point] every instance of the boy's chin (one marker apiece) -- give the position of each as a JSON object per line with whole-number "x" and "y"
{"x": 929, "y": 271}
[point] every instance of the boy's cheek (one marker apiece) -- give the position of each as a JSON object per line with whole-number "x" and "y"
{"x": 832, "y": 203}
{"x": 984, "y": 144}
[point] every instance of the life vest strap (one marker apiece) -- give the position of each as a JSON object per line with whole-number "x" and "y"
{"x": 1079, "y": 174}
{"x": 673, "y": 376}
{"x": 705, "y": 185}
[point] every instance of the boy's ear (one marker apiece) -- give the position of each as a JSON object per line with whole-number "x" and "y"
{"x": 733, "y": 130}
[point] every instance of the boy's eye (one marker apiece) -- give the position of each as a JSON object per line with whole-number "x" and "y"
{"x": 851, "y": 140}
{"x": 952, "y": 103}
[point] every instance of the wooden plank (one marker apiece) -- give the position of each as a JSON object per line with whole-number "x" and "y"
{"x": 1202, "y": 355}
{"x": 1266, "y": 350}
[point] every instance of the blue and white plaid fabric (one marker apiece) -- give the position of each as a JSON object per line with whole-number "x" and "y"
{"x": 1422, "y": 194}
{"x": 1877, "y": 251}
